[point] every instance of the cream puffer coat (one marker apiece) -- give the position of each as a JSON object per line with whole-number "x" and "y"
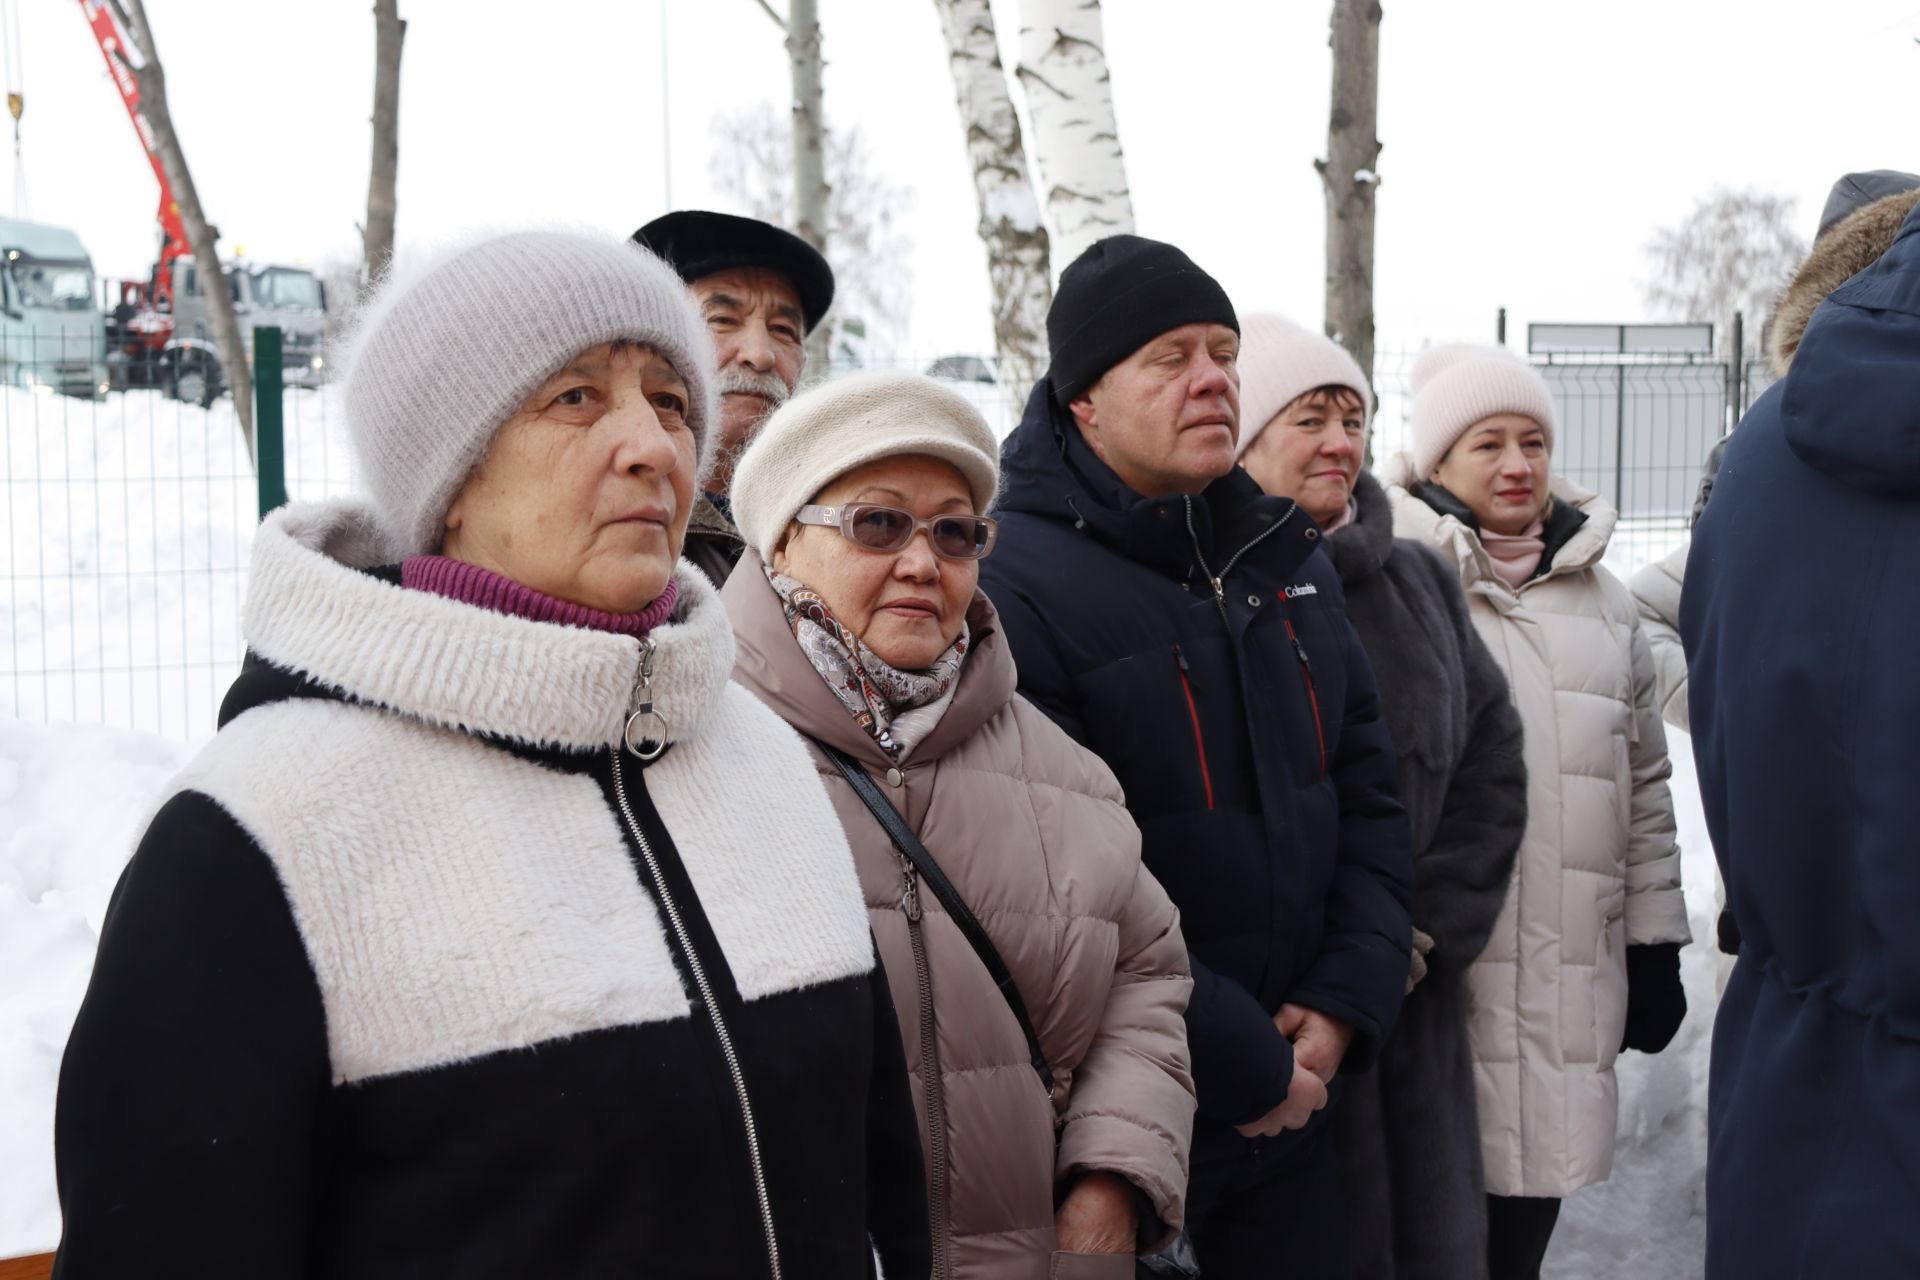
{"x": 1598, "y": 870}
{"x": 1032, "y": 830}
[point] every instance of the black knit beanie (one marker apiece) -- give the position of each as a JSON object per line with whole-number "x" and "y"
{"x": 1119, "y": 295}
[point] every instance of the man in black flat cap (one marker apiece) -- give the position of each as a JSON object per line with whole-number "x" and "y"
{"x": 762, "y": 290}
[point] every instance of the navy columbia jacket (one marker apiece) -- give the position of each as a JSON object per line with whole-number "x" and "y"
{"x": 1800, "y": 617}
{"x": 1200, "y": 646}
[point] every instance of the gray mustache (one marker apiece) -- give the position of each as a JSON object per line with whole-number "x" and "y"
{"x": 735, "y": 380}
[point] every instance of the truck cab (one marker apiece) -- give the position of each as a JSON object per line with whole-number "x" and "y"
{"x": 290, "y": 298}
{"x": 52, "y": 339}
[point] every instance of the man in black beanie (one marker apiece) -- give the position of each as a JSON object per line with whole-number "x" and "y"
{"x": 1185, "y": 627}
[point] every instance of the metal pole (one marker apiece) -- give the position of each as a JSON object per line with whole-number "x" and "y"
{"x": 269, "y": 419}
{"x": 1500, "y": 328}
{"x": 1619, "y": 438}
{"x": 1737, "y": 369}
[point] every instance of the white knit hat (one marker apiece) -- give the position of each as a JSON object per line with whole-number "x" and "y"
{"x": 449, "y": 350}
{"x": 1280, "y": 362}
{"x": 839, "y": 425}
{"x": 1458, "y": 384}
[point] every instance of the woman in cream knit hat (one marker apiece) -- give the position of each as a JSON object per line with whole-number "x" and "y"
{"x": 1584, "y": 960}
{"x": 1409, "y": 1142}
{"x": 860, "y": 621}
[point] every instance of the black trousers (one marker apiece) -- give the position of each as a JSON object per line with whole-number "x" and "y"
{"x": 1256, "y": 1218}
{"x": 1518, "y": 1229}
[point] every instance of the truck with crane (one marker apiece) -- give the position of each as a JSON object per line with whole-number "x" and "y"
{"x": 159, "y": 332}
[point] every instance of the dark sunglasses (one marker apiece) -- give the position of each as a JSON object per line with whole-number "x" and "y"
{"x": 876, "y": 528}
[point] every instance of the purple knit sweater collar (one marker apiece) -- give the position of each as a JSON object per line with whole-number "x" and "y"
{"x": 470, "y": 584}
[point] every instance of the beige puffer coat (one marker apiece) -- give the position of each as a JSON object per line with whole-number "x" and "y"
{"x": 1033, "y": 832}
{"x": 1598, "y": 869}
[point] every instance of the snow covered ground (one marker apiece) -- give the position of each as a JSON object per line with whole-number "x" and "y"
{"x": 73, "y": 799}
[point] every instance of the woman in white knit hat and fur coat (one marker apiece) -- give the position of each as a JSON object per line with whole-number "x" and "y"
{"x": 1584, "y": 960}
{"x": 1410, "y": 1146}
{"x": 454, "y": 952}
{"x": 861, "y": 622}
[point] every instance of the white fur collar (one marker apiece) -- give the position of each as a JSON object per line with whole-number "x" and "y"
{"x": 310, "y": 609}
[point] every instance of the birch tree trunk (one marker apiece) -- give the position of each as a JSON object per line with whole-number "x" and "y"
{"x": 809, "y": 152}
{"x": 389, "y": 32}
{"x": 206, "y": 257}
{"x": 1350, "y": 176}
{"x": 1076, "y": 142}
{"x": 1011, "y": 227}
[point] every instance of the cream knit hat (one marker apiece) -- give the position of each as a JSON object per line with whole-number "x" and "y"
{"x": 1460, "y": 383}
{"x": 449, "y": 350}
{"x": 839, "y": 425}
{"x": 1280, "y": 362}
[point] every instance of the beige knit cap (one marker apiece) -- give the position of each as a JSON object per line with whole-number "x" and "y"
{"x": 1280, "y": 362}
{"x": 1460, "y": 383}
{"x": 826, "y": 432}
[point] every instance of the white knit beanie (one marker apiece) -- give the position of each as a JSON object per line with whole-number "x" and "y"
{"x": 824, "y": 433}
{"x": 1458, "y": 384}
{"x": 1280, "y": 362}
{"x": 450, "y": 349}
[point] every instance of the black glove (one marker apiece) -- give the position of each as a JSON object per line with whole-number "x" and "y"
{"x": 1728, "y": 931}
{"x": 1656, "y": 1002}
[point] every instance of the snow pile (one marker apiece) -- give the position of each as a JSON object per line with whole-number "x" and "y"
{"x": 73, "y": 800}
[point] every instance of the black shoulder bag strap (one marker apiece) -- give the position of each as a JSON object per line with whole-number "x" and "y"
{"x": 957, "y": 910}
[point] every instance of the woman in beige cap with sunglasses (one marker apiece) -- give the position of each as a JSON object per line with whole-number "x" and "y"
{"x": 1056, "y": 1107}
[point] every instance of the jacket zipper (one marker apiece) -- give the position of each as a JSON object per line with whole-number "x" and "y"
{"x": 1199, "y": 743}
{"x": 1313, "y": 694}
{"x": 720, "y": 1030}
{"x": 932, "y": 1083}
{"x": 1218, "y": 580}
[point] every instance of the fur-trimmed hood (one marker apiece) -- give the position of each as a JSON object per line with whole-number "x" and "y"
{"x": 1850, "y": 247}
{"x": 312, "y": 609}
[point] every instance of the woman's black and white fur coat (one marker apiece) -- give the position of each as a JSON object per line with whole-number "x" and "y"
{"x": 402, "y": 978}
{"x": 1408, "y": 1132}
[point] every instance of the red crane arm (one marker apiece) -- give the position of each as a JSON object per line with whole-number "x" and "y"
{"x": 119, "y": 51}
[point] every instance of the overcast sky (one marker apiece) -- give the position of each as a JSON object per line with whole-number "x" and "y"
{"x": 1530, "y": 145}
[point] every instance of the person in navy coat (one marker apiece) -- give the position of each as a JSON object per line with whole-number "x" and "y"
{"x": 1800, "y": 619}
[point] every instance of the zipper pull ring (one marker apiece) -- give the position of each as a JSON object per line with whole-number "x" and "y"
{"x": 910, "y": 893}
{"x": 646, "y": 731}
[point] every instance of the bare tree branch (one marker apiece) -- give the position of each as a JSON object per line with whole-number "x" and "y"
{"x": 768, "y": 9}
{"x": 1734, "y": 252}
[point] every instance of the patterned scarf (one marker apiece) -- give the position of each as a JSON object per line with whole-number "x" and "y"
{"x": 875, "y": 694}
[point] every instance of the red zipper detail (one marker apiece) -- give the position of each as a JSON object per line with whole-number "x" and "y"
{"x": 1313, "y": 694}
{"x": 1199, "y": 743}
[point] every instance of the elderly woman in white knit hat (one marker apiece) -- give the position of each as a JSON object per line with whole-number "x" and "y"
{"x": 1410, "y": 1146}
{"x": 1584, "y": 960}
{"x": 1039, "y": 971}
{"x": 453, "y": 953}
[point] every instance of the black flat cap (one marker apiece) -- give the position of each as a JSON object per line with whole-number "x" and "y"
{"x": 698, "y": 243}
